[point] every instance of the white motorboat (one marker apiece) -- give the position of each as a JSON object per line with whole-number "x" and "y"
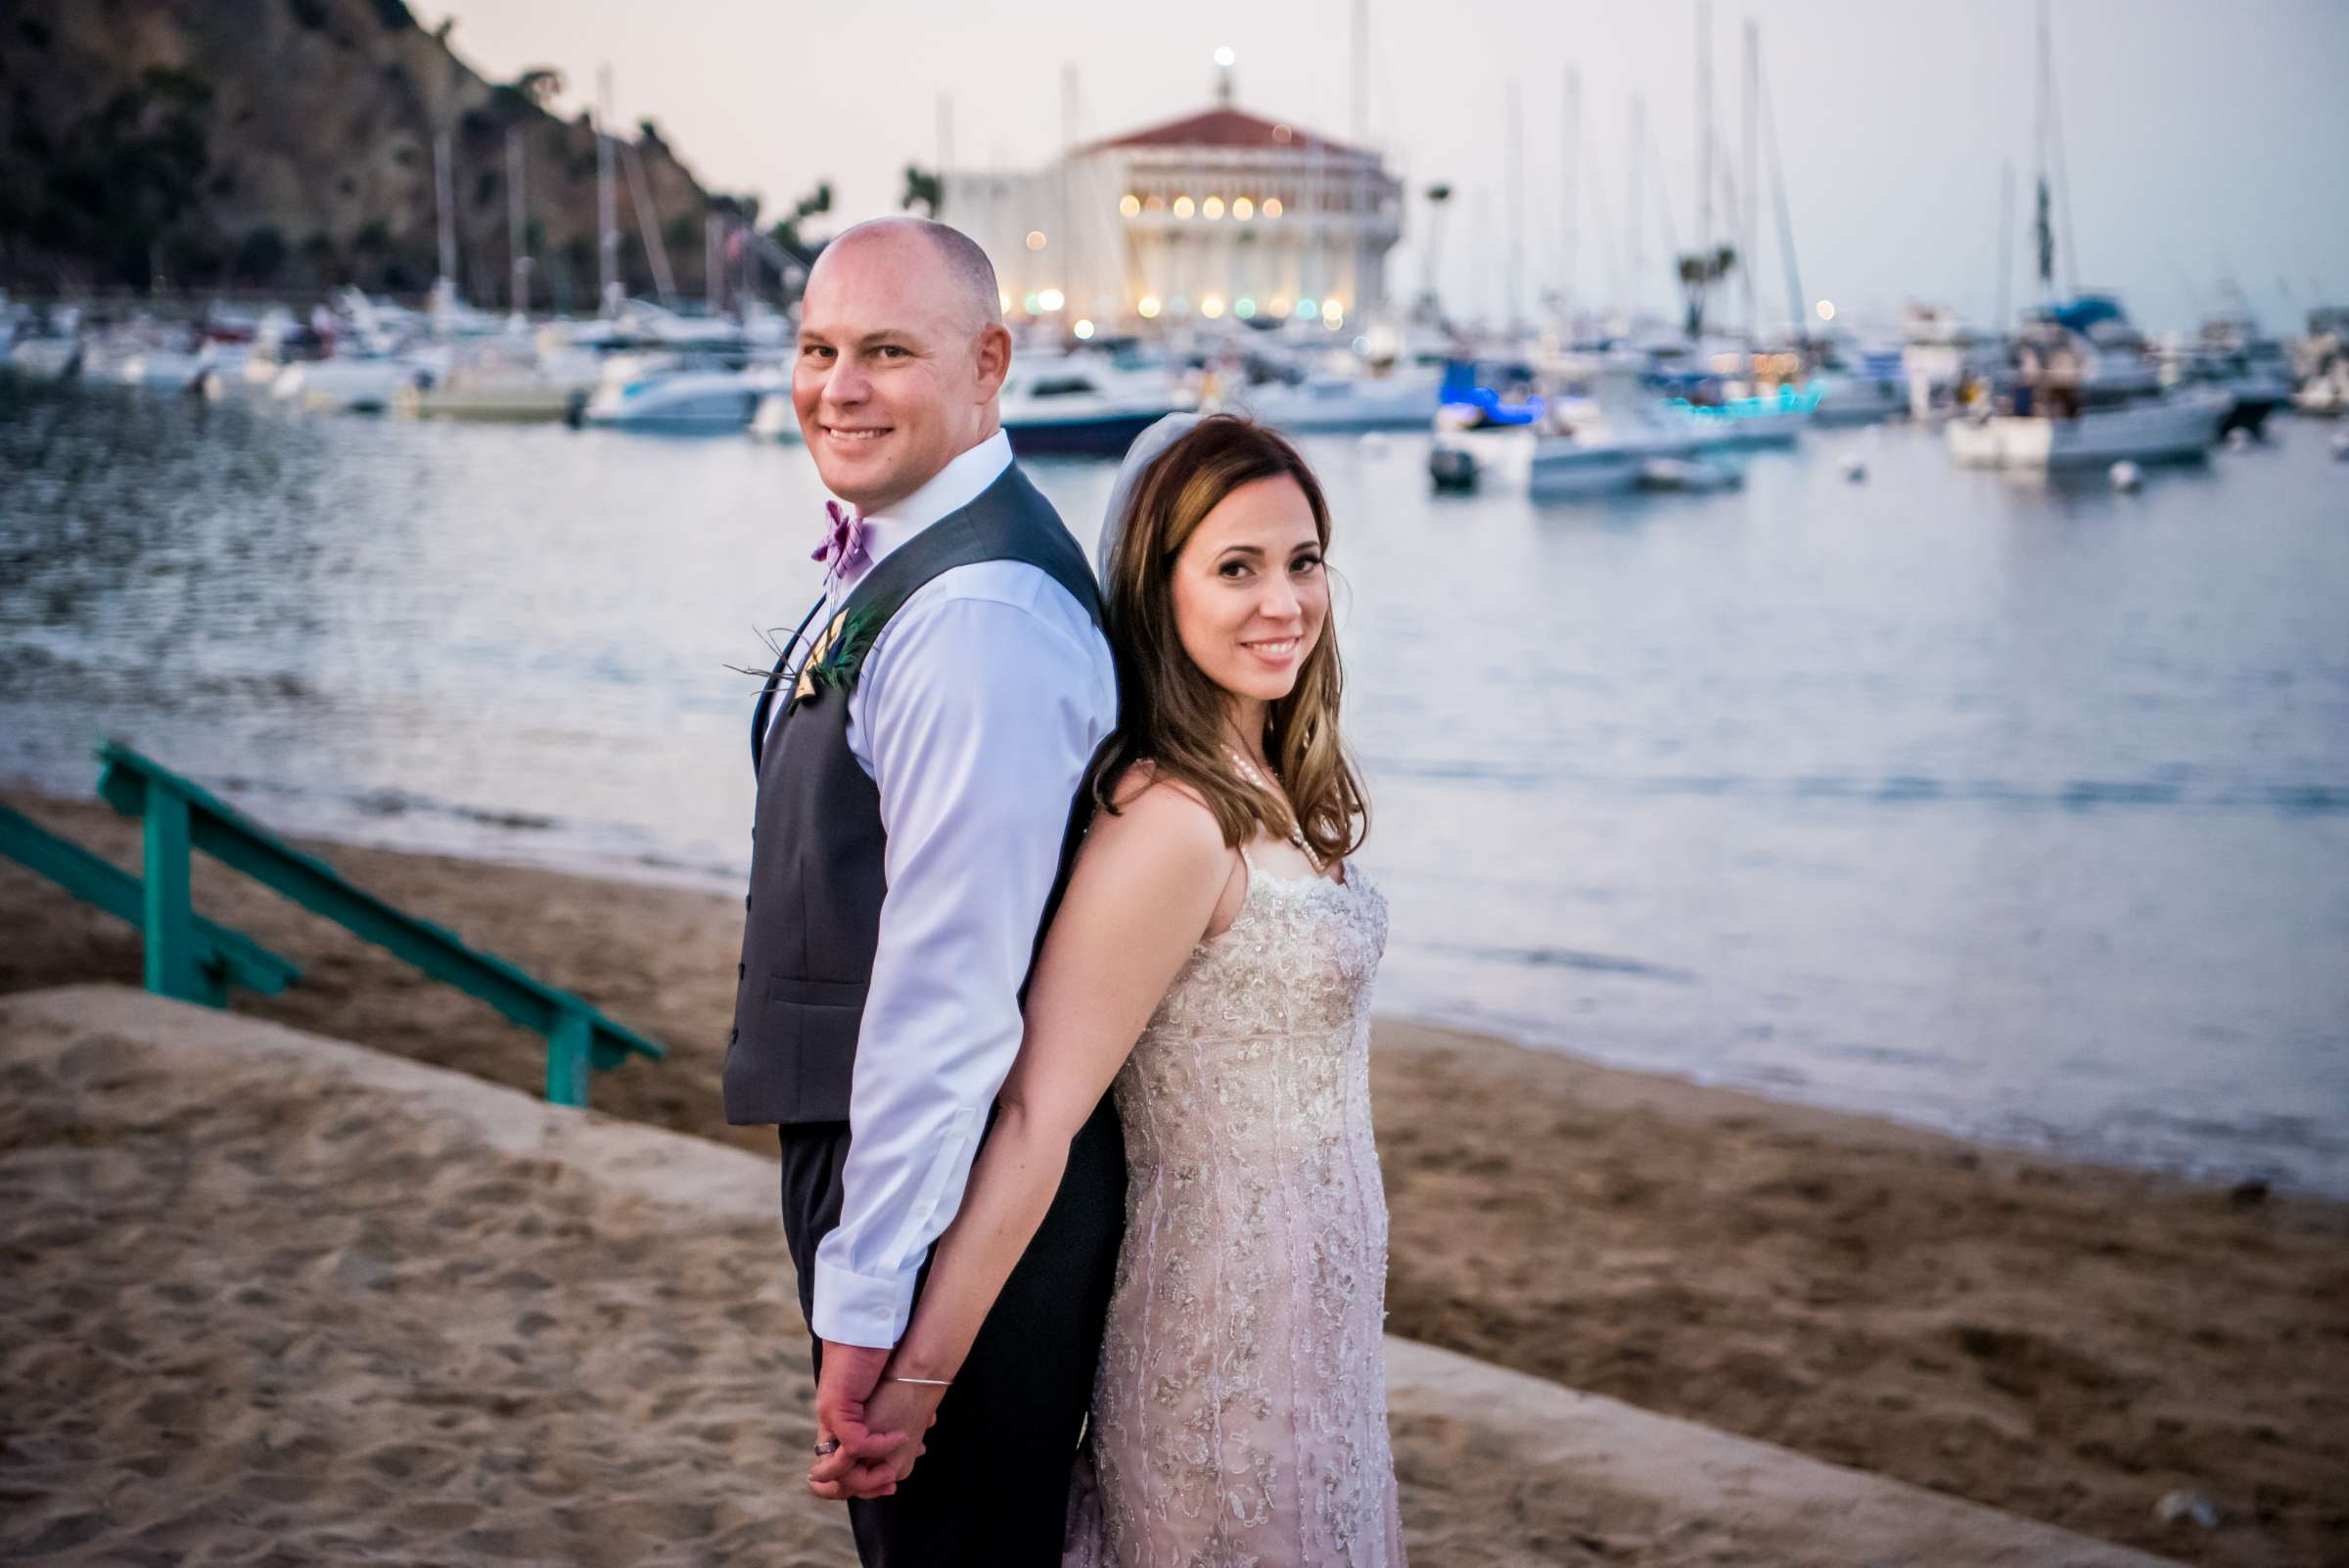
{"x": 685, "y": 399}
{"x": 2178, "y": 426}
{"x": 1078, "y": 405}
{"x": 1588, "y": 447}
{"x": 777, "y": 420}
{"x": 363, "y": 384}
{"x": 2325, "y": 393}
{"x": 1405, "y": 400}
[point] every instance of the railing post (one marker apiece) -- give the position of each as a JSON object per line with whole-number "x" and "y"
{"x": 566, "y": 1057}
{"x": 168, "y": 911}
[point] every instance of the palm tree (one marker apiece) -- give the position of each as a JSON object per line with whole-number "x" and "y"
{"x": 923, "y": 189}
{"x": 1439, "y": 196}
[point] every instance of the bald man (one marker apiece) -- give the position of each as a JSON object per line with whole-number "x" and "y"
{"x": 919, "y": 749}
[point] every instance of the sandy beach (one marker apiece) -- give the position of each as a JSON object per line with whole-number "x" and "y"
{"x": 2065, "y": 1342}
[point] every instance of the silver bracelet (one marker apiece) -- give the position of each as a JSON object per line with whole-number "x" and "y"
{"x": 926, "y": 1382}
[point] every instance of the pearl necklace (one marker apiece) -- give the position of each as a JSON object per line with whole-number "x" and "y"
{"x": 1250, "y": 772}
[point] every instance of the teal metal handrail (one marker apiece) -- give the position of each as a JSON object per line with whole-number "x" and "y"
{"x": 180, "y": 816}
{"x": 223, "y": 957}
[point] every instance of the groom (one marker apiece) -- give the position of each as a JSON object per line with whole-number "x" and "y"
{"x": 918, "y": 754}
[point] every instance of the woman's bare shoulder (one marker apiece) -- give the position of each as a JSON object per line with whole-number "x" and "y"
{"x": 1163, "y": 813}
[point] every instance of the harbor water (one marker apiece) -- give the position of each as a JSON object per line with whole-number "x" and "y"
{"x": 2018, "y": 809}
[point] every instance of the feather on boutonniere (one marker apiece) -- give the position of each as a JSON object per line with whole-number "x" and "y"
{"x": 837, "y": 656}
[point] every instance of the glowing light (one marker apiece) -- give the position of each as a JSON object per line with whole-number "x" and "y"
{"x": 1243, "y": 208}
{"x": 1308, "y": 307}
{"x": 1129, "y": 205}
{"x": 1212, "y": 306}
{"x": 1280, "y": 306}
{"x": 1051, "y": 300}
{"x": 1271, "y": 206}
{"x": 1083, "y": 329}
{"x": 1181, "y": 304}
{"x": 1183, "y": 207}
{"x": 1827, "y": 310}
{"x": 1154, "y": 204}
{"x": 1281, "y": 133}
{"x": 1036, "y": 239}
{"x": 1332, "y": 313}
{"x": 1225, "y": 57}
{"x": 1147, "y": 306}
{"x": 1244, "y": 309}
{"x": 1212, "y": 208}
{"x": 1361, "y": 346}
{"x": 1029, "y": 304}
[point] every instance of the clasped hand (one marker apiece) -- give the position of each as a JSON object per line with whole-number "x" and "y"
{"x": 879, "y": 1422}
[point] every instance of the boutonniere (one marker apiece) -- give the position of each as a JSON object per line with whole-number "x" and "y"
{"x": 838, "y": 655}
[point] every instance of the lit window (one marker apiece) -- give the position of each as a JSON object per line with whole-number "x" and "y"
{"x": 1271, "y": 206}
{"x": 1183, "y": 207}
{"x": 1242, "y": 208}
{"x": 1129, "y": 205}
{"x": 1212, "y": 208}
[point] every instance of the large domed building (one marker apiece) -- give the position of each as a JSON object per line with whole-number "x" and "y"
{"x": 1223, "y": 214}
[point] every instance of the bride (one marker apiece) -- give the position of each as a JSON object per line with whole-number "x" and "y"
{"x": 1212, "y": 967}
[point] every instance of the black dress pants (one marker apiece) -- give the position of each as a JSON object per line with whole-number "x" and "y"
{"x": 992, "y": 1491}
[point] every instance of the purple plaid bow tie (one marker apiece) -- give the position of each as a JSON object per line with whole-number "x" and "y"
{"x": 844, "y": 540}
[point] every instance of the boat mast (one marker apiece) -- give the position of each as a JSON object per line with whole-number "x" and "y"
{"x": 1571, "y": 207}
{"x": 517, "y": 229}
{"x": 1516, "y": 199}
{"x": 648, "y": 225}
{"x": 607, "y": 202}
{"x": 2063, "y": 178}
{"x": 1630, "y": 205}
{"x": 1068, "y": 179}
{"x": 1778, "y": 181}
{"x": 1704, "y": 136}
{"x": 2006, "y": 244}
{"x": 444, "y": 288}
{"x": 1749, "y": 194}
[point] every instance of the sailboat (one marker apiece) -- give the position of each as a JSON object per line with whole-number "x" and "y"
{"x": 2081, "y": 387}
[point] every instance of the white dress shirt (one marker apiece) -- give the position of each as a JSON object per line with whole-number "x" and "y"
{"x": 977, "y": 710}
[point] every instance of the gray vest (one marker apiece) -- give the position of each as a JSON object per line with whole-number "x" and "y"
{"x": 813, "y": 916}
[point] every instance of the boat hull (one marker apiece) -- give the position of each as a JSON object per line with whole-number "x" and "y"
{"x": 2181, "y": 428}
{"x": 1092, "y": 435}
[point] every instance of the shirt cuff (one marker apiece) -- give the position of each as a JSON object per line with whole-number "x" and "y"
{"x": 860, "y": 1309}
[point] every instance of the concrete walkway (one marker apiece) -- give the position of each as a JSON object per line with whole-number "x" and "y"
{"x": 1497, "y": 1467}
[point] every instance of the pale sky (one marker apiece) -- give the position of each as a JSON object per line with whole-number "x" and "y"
{"x": 2204, "y": 140}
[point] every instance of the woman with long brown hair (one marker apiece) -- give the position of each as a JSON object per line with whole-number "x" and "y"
{"x": 1210, "y": 966}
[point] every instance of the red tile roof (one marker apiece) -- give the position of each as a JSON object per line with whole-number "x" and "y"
{"x": 1232, "y": 127}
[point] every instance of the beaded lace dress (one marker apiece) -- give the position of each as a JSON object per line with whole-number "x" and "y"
{"x": 1239, "y": 1416}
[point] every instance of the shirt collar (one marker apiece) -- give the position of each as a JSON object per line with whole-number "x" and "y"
{"x": 950, "y": 489}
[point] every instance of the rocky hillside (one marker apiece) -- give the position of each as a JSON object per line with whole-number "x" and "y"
{"x": 287, "y": 144}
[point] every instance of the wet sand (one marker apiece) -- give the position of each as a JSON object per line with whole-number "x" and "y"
{"x": 2065, "y": 1342}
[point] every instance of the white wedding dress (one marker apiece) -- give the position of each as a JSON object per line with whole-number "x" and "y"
{"x": 1239, "y": 1416}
